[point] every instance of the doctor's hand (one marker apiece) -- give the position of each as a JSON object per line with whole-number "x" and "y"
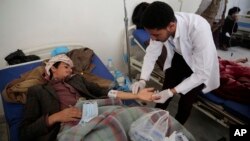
{"x": 162, "y": 96}
{"x": 137, "y": 86}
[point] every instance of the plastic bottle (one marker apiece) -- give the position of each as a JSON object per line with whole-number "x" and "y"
{"x": 119, "y": 78}
{"x": 111, "y": 67}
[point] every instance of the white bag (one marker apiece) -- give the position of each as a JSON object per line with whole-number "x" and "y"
{"x": 152, "y": 126}
{"x": 176, "y": 137}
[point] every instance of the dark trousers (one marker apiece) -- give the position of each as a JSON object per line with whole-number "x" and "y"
{"x": 173, "y": 76}
{"x": 224, "y": 40}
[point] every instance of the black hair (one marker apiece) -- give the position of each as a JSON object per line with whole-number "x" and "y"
{"x": 157, "y": 15}
{"x": 56, "y": 66}
{"x": 137, "y": 14}
{"x": 233, "y": 10}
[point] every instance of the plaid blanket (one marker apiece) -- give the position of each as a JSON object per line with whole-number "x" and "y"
{"x": 112, "y": 123}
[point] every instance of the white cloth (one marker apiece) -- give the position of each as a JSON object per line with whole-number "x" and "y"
{"x": 193, "y": 37}
{"x": 58, "y": 58}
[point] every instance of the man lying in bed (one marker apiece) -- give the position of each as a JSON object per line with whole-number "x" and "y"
{"x": 52, "y": 103}
{"x": 234, "y": 80}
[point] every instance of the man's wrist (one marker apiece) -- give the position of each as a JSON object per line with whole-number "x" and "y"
{"x": 143, "y": 80}
{"x": 51, "y": 120}
{"x": 169, "y": 92}
{"x": 112, "y": 93}
{"x": 136, "y": 96}
{"x": 173, "y": 91}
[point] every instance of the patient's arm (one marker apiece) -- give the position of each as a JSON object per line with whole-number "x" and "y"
{"x": 145, "y": 94}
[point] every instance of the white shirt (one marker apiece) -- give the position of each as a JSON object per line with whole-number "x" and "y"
{"x": 193, "y": 40}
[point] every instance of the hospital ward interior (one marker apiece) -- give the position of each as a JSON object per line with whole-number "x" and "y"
{"x": 125, "y": 70}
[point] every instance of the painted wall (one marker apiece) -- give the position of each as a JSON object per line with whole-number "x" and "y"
{"x": 98, "y": 24}
{"x": 243, "y": 4}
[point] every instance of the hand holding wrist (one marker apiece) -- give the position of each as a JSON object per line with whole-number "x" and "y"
{"x": 162, "y": 96}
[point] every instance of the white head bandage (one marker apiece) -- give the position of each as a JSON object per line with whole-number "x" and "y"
{"x": 59, "y": 58}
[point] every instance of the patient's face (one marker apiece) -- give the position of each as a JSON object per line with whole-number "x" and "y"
{"x": 62, "y": 71}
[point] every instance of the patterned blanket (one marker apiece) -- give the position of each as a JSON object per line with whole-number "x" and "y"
{"x": 112, "y": 123}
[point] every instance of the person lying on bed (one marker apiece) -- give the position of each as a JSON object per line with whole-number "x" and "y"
{"x": 51, "y": 104}
{"x": 234, "y": 80}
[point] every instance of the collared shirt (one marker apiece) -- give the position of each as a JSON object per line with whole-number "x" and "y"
{"x": 193, "y": 40}
{"x": 172, "y": 44}
{"x": 67, "y": 94}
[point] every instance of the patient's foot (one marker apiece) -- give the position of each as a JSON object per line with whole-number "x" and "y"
{"x": 241, "y": 60}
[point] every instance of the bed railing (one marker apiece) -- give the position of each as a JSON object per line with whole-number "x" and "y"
{"x": 44, "y": 52}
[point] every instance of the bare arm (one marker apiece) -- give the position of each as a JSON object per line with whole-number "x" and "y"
{"x": 145, "y": 94}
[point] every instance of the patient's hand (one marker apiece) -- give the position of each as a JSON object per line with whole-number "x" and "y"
{"x": 146, "y": 94}
{"x": 66, "y": 115}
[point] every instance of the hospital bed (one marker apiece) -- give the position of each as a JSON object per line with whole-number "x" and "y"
{"x": 243, "y": 32}
{"x": 14, "y": 112}
{"x": 224, "y": 111}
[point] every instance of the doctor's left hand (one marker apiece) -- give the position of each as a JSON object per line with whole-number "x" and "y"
{"x": 162, "y": 96}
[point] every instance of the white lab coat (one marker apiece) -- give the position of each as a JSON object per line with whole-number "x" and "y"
{"x": 193, "y": 40}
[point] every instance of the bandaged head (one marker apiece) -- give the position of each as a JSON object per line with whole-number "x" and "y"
{"x": 59, "y": 58}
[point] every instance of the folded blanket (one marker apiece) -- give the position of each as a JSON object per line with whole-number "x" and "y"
{"x": 16, "y": 90}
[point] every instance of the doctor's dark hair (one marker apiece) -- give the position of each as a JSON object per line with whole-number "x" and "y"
{"x": 233, "y": 10}
{"x": 137, "y": 14}
{"x": 157, "y": 15}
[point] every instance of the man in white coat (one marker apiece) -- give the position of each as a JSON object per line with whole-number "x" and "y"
{"x": 191, "y": 66}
